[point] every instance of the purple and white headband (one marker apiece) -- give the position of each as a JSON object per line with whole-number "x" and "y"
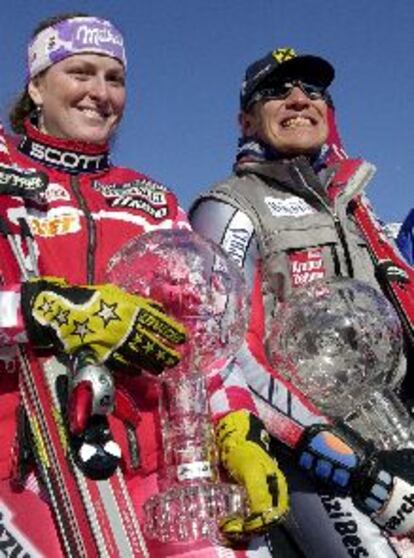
{"x": 74, "y": 36}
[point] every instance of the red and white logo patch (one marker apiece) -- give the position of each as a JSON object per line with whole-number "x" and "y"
{"x": 306, "y": 266}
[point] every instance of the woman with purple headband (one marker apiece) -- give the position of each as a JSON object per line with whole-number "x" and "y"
{"x": 65, "y": 210}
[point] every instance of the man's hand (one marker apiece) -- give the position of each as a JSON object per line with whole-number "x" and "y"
{"x": 384, "y": 489}
{"x": 119, "y": 328}
{"x": 381, "y": 483}
{"x": 332, "y": 453}
{"x": 243, "y": 447}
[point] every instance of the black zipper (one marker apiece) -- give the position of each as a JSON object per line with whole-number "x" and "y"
{"x": 91, "y": 228}
{"x": 338, "y": 227}
{"x": 341, "y": 235}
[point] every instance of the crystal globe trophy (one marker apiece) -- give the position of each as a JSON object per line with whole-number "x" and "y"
{"x": 340, "y": 342}
{"x": 197, "y": 284}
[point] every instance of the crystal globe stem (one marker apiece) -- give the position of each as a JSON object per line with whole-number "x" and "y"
{"x": 384, "y": 419}
{"x": 192, "y": 501}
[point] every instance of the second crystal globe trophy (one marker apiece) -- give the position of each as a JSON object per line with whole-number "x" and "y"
{"x": 340, "y": 342}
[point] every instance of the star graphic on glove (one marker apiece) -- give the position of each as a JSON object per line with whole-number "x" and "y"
{"x": 82, "y": 329}
{"x": 171, "y": 361}
{"x": 46, "y": 306}
{"x": 161, "y": 355}
{"x": 107, "y": 312}
{"x": 148, "y": 347}
{"x": 137, "y": 340}
{"x": 166, "y": 359}
{"x": 61, "y": 317}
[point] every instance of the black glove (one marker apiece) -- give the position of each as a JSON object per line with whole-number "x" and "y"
{"x": 333, "y": 453}
{"x": 381, "y": 483}
{"x": 384, "y": 488}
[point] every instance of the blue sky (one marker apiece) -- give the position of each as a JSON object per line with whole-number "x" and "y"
{"x": 186, "y": 61}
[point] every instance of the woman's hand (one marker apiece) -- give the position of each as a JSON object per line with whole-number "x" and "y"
{"x": 121, "y": 329}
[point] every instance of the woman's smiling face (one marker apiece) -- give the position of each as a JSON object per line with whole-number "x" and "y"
{"x": 81, "y": 97}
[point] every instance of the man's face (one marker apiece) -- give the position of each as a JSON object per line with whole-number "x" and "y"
{"x": 293, "y": 125}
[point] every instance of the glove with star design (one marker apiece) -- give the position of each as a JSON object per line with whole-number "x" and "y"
{"x": 120, "y": 329}
{"x": 96, "y": 325}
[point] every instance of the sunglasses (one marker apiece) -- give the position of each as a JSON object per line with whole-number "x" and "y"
{"x": 283, "y": 89}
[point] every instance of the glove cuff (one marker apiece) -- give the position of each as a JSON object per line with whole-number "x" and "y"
{"x": 384, "y": 487}
{"x": 42, "y": 337}
{"x": 333, "y": 454}
{"x": 241, "y": 426}
{"x": 397, "y": 516}
{"x": 37, "y": 334}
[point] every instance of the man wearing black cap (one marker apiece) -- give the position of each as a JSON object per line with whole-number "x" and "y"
{"x": 272, "y": 88}
{"x": 284, "y": 217}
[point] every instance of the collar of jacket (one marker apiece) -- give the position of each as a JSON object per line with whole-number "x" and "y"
{"x": 71, "y": 156}
{"x": 295, "y": 175}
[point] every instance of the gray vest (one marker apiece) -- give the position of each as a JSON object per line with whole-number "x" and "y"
{"x": 290, "y": 212}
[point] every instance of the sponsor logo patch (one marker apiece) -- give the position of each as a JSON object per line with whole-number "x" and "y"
{"x": 145, "y": 188}
{"x": 237, "y": 238}
{"x": 22, "y": 183}
{"x": 70, "y": 161}
{"x": 142, "y": 205}
{"x": 66, "y": 159}
{"x": 56, "y": 192}
{"x": 306, "y": 266}
{"x": 402, "y": 513}
{"x": 144, "y": 195}
{"x": 288, "y": 207}
{"x": 55, "y": 225}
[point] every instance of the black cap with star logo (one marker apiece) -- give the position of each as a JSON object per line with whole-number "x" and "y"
{"x": 282, "y": 64}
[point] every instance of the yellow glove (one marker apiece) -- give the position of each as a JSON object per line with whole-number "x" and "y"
{"x": 243, "y": 446}
{"x": 120, "y": 328}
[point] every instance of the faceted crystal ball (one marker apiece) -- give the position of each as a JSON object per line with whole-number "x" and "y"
{"x": 194, "y": 281}
{"x": 337, "y": 341}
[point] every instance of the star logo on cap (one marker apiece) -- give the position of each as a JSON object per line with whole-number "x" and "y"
{"x": 283, "y": 54}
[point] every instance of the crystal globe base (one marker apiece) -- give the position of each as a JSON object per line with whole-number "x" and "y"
{"x": 192, "y": 511}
